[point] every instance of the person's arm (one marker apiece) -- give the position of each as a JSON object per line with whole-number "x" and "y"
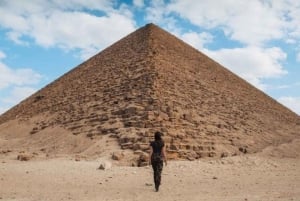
{"x": 164, "y": 154}
{"x": 150, "y": 154}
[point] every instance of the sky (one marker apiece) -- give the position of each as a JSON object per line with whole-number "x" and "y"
{"x": 259, "y": 40}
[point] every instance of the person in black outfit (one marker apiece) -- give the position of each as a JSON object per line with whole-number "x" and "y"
{"x": 157, "y": 156}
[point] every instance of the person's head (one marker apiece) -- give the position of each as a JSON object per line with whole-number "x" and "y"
{"x": 157, "y": 136}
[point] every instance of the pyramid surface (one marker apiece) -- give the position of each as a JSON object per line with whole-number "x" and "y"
{"x": 148, "y": 81}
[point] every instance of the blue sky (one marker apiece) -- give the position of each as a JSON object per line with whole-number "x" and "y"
{"x": 259, "y": 40}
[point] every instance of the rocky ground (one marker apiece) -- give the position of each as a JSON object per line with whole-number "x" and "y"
{"x": 273, "y": 175}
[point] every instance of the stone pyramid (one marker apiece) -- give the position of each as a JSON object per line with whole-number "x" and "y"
{"x": 149, "y": 81}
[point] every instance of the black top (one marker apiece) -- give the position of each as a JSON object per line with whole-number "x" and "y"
{"x": 157, "y": 146}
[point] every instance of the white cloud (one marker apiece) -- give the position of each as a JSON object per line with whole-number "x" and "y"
{"x": 105, "y": 5}
{"x": 2, "y": 55}
{"x": 197, "y": 39}
{"x": 66, "y": 24}
{"x": 292, "y": 13}
{"x": 15, "y": 95}
{"x": 295, "y": 85}
{"x": 252, "y": 63}
{"x": 15, "y": 84}
{"x": 291, "y": 102}
{"x": 15, "y": 36}
{"x": 80, "y": 30}
{"x": 155, "y": 12}
{"x": 250, "y": 22}
{"x": 298, "y": 57}
{"x": 22, "y": 76}
{"x": 27, "y": 8}
{"x": 86, "y": 53}
{"x": 138, "y": 3}
{"x": 3, "y": 109}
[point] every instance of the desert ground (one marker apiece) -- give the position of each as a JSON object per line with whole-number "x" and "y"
{"x": 271, "y": 175}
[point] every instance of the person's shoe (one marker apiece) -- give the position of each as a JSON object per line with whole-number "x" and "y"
{"x": 156, "y": 188}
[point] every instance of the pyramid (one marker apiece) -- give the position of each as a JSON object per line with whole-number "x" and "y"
{"x": 148, "y": 81}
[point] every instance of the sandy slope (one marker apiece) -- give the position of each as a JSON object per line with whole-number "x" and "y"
{"x": 252, "y": 177}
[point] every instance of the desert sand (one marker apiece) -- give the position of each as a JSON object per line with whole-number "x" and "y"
{"x": 273, "y": 174}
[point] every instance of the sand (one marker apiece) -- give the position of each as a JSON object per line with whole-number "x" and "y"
{"x": 246, "y": 177}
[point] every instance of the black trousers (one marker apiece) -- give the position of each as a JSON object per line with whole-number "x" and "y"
{"x": 157, "y": 165}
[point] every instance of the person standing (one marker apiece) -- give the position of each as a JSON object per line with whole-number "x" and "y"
{"x": 157, "y": 156}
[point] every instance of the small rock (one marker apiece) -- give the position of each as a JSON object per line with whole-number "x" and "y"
{"x": 143, "y": 164}
{"x": 24, "y": 157}
{"x": 106, "y": 165}
{"x": 215, "y": 177}
{"x": 174, "y": 147}
{"x": 138, "y": 152}
{"x": 143, "y": 159}
{"x": 127, "y": 145}
{"x": 243, "y": 150}
{"x": 224, "y": 154}
{"x": 6, "y": 151}
{"x": 190, "y": 158}
{"x": 117, "y": 156}
{"x": 147, "y": 184}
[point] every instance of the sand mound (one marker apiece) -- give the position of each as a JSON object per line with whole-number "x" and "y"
{"x": 285, "y": 150}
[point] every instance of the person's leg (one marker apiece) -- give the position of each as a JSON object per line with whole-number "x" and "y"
{"x": 158, "y": 175}
{"x": 154, "y": 170}
{"x": 155, "y": 167}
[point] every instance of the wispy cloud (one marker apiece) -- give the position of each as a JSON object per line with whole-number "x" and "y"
{"x": 298, "y": 57}
{"x": 139, "y": 3}
{"x": 17, "y": 77}
{"x": 16, "y": 94}
{"x": 285, "y": 86}
{"x": 63, "y": 24}
{"x": 292, "y": 102}
{"x": 15, "y": 84}
{"x": 239, "y": 19}
{"x": 197, "y": 40}
{"x": 252, "y": 63}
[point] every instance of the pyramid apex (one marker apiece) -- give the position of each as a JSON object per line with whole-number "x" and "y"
{"x": 151, "y": 26}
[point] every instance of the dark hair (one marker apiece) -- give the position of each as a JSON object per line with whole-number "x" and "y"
{"x": 157, "y": 136}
